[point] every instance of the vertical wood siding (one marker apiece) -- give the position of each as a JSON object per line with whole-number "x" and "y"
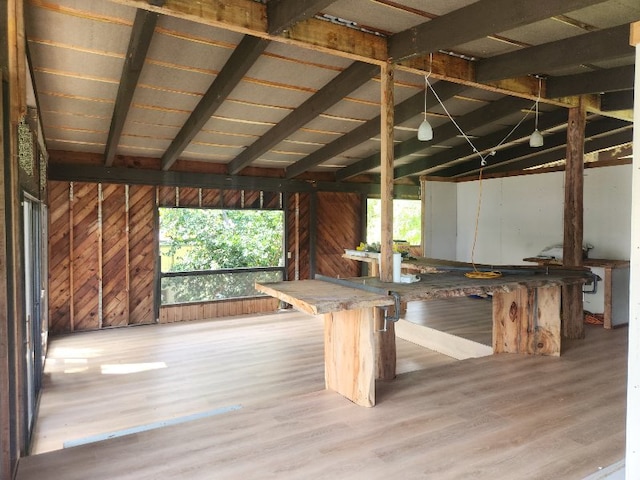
{"x": 59, "y": 258}
{"x": 339, "y": 220}
{"x": 85, "y": 257}
{"x": 115, "y": 248}
{"x": 104, "y": 248}
{"x": 339, "y": 216}
{"x": 142, "y": 256}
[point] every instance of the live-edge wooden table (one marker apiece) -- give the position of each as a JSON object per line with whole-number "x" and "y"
{"x": 608, "y": 266}
{"x": 526, "y": 319}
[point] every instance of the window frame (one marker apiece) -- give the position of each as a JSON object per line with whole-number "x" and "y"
{"x": 221, "y": 271}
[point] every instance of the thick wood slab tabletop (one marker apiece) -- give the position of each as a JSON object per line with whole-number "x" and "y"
{"x": 320, "y": 296}
{"x": 587, "y": 262}
{"x": 455, "y": 284}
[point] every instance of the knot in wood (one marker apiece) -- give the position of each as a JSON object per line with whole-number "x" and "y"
{"x": 513, "y": 311}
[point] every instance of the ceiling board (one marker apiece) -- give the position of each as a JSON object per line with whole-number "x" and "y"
{"x": 78, "y": 50}
{"x": 373, "y": 15}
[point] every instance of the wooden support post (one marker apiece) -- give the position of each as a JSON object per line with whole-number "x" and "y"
{"x": 385, "y": 347}
{"x": 527, "y": 321}
{"x": 632, "y": 460}
{"x": 572, "y": 308}
{"x": 7, "y": 455}
{"x": 386, "y": 178}
{"x": 349, "y": 361}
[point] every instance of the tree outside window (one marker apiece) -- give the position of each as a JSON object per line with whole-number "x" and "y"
{"x": 211, "y": 254}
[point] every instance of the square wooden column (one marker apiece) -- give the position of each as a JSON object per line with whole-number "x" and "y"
{"x": 572, "y": 308}
{"x": 386, "y": 177}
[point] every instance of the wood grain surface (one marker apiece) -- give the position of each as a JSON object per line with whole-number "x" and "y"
{"x": 502, "y": 416}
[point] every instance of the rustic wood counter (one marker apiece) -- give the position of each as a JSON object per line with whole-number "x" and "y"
{"x": 526, "y": 318}
{"x": 608, "y": 267}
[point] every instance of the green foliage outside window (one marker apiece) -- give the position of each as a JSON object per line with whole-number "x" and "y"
{"x": 406, "y": 220}
{"x": 193, "y": 240}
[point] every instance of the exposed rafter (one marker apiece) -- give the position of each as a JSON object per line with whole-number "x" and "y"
{"x": 475, "y": 21}
{"x": 241, "y": 60}
{"x": 250, "y": 17}
{"x": 616, "y": 101}
{"x": 587, "y": 48}
{"x": 488, "y": 142}
{"x": 495, "y": 110}
{"x": 608, "y": 80}
{"x": 141, "y": 35}
{"x": 348, "y": 80}
{"x": 549, "y": 156}
{"x": 283, "y": 14}
{"x": 552, "y": 142}
{"x": 403, "y": 112}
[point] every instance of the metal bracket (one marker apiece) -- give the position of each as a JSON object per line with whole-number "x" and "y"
{"x": 594, "y": 282}
{"x": 396, "y": 316}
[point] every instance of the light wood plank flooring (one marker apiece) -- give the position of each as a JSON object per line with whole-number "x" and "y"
{"x": 466, "y": 317}
{"x": 498, "y": 417}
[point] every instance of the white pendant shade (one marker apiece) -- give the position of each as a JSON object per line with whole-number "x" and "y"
{"x": 425, "y": 132}
{"x": 536, "y": 139}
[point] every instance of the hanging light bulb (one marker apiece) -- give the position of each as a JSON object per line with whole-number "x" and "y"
{"x": 425, "y": 131}
{"x": 536, "y": 139}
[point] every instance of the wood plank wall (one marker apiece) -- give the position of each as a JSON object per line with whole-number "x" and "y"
{"x": 338, "y": 226}
{"x": 103, "y": 249}
{"x": 339, "y": 221}
{"x": 102, "y": 256}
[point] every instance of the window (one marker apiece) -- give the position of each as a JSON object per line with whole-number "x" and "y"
{"x": 210, "y": 254}
{"x": 406, "y": 220}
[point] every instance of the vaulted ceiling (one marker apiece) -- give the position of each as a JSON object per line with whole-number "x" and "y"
{"x": 291, "y": 88}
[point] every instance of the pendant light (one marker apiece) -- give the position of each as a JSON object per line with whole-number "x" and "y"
{"x": 425, "y": 131}
{"x": 536, "y": 139}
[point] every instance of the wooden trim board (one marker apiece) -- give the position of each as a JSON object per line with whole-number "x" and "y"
{"x": 451, "y": 345}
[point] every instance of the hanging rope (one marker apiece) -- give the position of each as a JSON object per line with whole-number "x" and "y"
{"x": 483, "y": 162}
{"x": 476, "y": 273}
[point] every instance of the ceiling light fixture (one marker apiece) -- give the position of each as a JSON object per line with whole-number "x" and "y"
{"x": 536, "y": 139}
{"x": 425, "y": 131}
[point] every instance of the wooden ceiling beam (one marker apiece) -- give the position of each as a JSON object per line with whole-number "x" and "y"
{"x": 251, "y": 18}
{"x": 590, "y": 47}
{"x": 477, "y": 118}
{"x": 475, "y": 21}
{"x": 616, "y": 101}
{"x": 83, "y": 172}
{"x": 523, "y": 153}
{"x": 354, "y": 76}
{"x": 240, "y": 61}
{"x": 141, "y": 35}
{"x": 559, "y": 153}
{"x": 283, "y": 14}
{"x": 403, "y": 112}
{"x": 484, "y": 144}
{"x": 598, "y": 81}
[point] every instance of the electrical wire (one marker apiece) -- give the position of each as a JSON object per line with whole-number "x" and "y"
{"x": 476, "y": 273}
{"x": 483, "y": 162}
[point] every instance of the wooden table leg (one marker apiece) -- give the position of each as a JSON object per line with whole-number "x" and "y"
{"x": 349, "y": 354}
{"x": 527, "y": 321}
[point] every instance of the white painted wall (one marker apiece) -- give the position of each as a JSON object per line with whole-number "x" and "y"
{"x": 439, "y": 237}
{"x": 520, "y": 216}
{"x": 607, "y": 211}
{"x": 633, "y": 377}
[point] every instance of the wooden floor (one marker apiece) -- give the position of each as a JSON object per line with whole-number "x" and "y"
{"x": 498, "y": 417}
{"x": 466, "y": 317}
